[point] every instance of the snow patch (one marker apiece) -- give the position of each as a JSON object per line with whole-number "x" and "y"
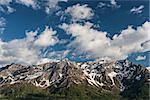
{"x": 29, "y": 77}
{"x": 111, "y": 75}
{"x": 138, "y": 77}
{"x": 148, "y": 68}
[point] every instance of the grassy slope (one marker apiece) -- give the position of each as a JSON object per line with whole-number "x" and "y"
{"x": 25, "y": 91}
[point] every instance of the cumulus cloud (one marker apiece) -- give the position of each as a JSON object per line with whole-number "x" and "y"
{"x": 113, "y": 4}
{"x": 101, "y": 4}
{"x": 46, "y": 60}
{"x": 48, "y": 5}
{"x": 2, "y": 24}
{"x": 5, "y": 6}
{"x": 98, "y": 44}
{"x": 52, "y": 5}
{"x": 87, "y": 39}
{"x": 132, "y": 40}
{"x": 140, "y": 58}
{"x": 137, "y": 10}
{"x": 5, "y": 2}
{"x": 24, "y": 50}
{"x": 46, "y": 38}
{"x": 79, "y": 12}
{"x": 146, "y": 45}
{"x": 28, "y": 3}
{"x": 58, "y": 55}
{"x": 10, "y": 9}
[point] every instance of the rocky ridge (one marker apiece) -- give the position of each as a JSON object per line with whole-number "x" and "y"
{"x": 104, "y": 74}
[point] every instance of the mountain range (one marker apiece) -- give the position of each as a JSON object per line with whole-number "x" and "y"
{"x": 69, "y": 80}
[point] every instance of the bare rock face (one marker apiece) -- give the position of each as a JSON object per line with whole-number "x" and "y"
{"x": 107, "y": 75}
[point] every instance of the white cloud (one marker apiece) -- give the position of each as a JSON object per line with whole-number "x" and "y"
{"x": 2, "y": 30}
{"x": 146, "y": 45}
{"x": 137, "y": 10}
{"x": 49, "y": 5}
{"x": 1, "y": 9}
{"x": 18, "y": 51}
{"x": 131, "y": 40}
{"x": 140, "y": 58}
{"x": 2, "y": 24}
{"x": 46, "y": 38}
{"x": 46, "y": 60}
{"x": 113, "y": 2}
{"x": 10, "y": 9}
{"x": 101, "y": 4}
{"x": 58, "y": 55}
{"x": 98, "y": 44}
{"x": 28, "y": 3}
{"x": 5, "y": 6}
{"x": 5, "y": 2}
{"x": 23, "y": 50}
{"x": 79, "y": 12}
{"x": 52, "y": 5}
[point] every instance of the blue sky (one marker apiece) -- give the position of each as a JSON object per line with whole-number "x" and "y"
{"x": 79, "y": 30}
